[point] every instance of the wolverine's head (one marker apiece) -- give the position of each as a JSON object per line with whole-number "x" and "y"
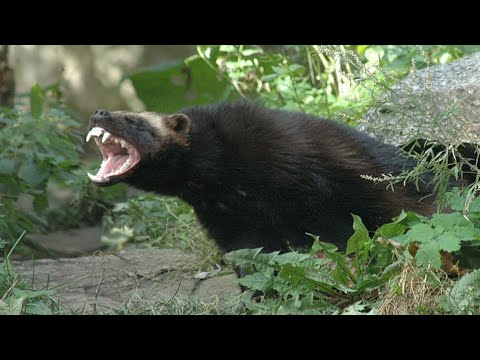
{"x": 134, "y": 145}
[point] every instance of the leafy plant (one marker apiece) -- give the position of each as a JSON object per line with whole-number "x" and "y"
{"x": 17, "y": 297}
{"x": 453, "y": 232}
{"x": 325, "y": 281}
{"x": 304, "y": 283}
{"x": 35, "y": 146}
{"x": 168, "y": 87}
{"x": 41, "y": 148}
{"x": 464, "y": 296}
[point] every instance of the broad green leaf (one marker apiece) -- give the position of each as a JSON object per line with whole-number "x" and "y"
{"x": 448, "y": 221}
{"x": 32, "y": 173}
{"x": 169, "y": 87}
{"x": 408, "y": 218}
{"x": 429, "y": 254}
{"x": 465, "y": 294}
{"x": 388, "y": 231}
{"x": 36, "y": 101}
{"x": 243, "y": 257}
{"x": 257, "y": 281}
{"x": 266, "y": 258}
{"x": 456, "y": 203}
{"x": 466, "y": 232}
{"x": 475, "y": 205}
{"x": 421, "y": 233}
{"x": 291, "y": 257}
{"x": 372, "y": 281}
{"x": 449, "y": 242}
{"x": 401, "y": 239}
{"x": 359, "y": 237}
{"x": 293, "y": 274}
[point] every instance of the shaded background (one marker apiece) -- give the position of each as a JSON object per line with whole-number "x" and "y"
{"x": 90, "y": 75}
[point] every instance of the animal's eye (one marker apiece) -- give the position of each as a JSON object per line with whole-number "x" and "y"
{"x": 129, "y": 120}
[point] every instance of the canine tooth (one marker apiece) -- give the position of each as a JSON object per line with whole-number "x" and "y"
{"x": 96, "y": 178}
{"x": 96, "y": 131}
{"x": 105, "y": 137}
{"x": 102, "y": 165}
{"x": 124, "y": 166}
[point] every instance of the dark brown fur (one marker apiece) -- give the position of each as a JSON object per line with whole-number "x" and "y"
{"x": 259, "y": 177}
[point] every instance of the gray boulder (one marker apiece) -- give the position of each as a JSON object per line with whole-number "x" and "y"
{"x": 441, "y": 102}
{"x": 110, "y": 283}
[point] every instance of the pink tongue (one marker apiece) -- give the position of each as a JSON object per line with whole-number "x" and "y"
{"x": 114, "y": 163}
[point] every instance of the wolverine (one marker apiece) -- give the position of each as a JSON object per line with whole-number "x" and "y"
{"x": 257, "y": 177}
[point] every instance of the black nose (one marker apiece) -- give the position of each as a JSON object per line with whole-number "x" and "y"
{"x": 101, "y": 113}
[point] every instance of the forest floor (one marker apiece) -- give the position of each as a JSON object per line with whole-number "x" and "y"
{"x": 129, "y": 281}
{"x": 88, "y": 279}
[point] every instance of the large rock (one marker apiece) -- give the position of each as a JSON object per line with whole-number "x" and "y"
{"x": 441, "y": 102}
{"x": 106, "y": 282}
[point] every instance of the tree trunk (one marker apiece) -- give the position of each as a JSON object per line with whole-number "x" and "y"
{"x": 7, "y": 81}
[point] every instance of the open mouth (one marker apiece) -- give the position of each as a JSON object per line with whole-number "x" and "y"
{"x": 119, "y": 156}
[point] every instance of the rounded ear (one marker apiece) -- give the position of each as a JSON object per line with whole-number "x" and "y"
{"x": 178, "y": 122}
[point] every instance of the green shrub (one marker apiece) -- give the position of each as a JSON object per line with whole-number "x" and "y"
{"x": 41, "y": 147}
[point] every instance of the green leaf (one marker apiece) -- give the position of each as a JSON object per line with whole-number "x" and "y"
{"x": 421, "y": 233}
{"x": 455, "y": 202}
{"x": 395, "y": 228}
{"x": 291, "y": 257}
{"x": 40, "y": 202}
{"x": 429, "y": 254}
{"x": 401, "y": 239}
{"x": 372, "y": 281}
{"x": 464, "y": 297}
{"x": 292, "y": 273}
{"x": 448, "y": 221}
{"x": 7, "y": 166}
{"x": 257, "y": 281}
{"x": 409, "y": 218}
{"x": 169, "y": 87}
{"x": 449, "y": 242}
{"x": 36, "y": 101}
{"x": 32, "y": 173}
{"x": 243, "y": 257}
{"x": 359, "y": 237}
{"x": 466, "y": 232}
{"x": 475, "y": 206}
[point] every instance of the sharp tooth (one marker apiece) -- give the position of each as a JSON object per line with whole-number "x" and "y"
{"x": 96, "y": 131}
{"x": 124, "y": 166}
{"x": 106, "y": 135}
{"x": 97, "y": 141}
{"x": 102, "y": 165}
{"x": 123, "y": 143}
{"x": 97, "y": 178}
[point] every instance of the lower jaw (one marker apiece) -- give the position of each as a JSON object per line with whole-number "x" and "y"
{"x": 109, "y": 182}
